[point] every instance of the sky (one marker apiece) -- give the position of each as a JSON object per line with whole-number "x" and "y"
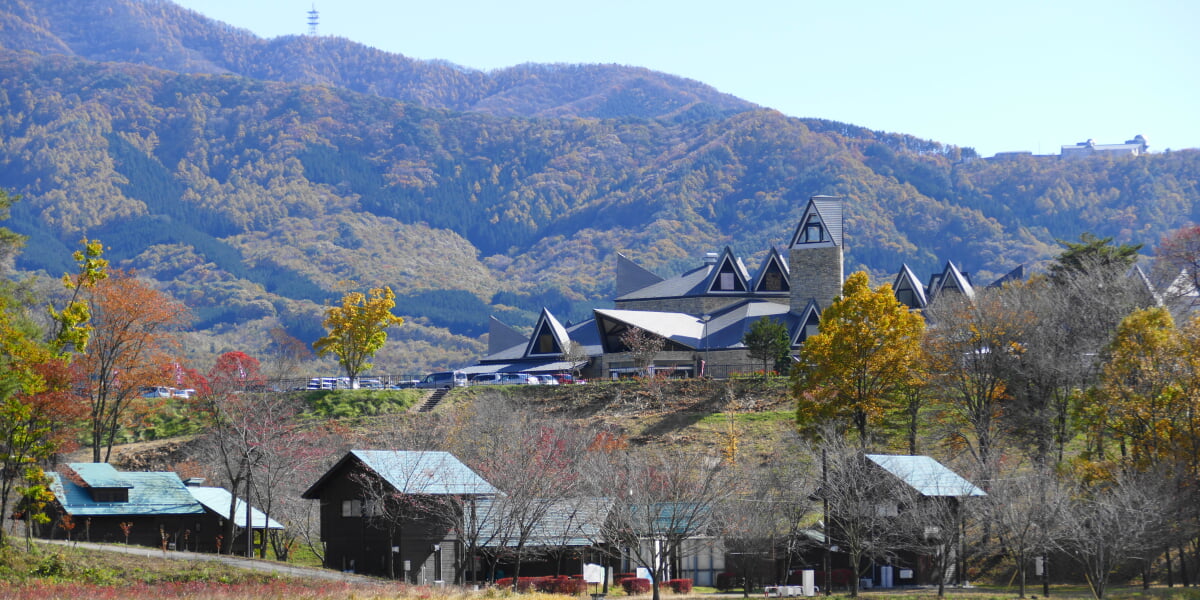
{"x": 1005, "y": 75}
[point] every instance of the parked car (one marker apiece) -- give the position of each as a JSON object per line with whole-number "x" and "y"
{"x": 519, "y": 379}
{"x": 566, "y": 378}
{"x": 322, "y": 383}
{"x": 443, "y": 379}
{"x": 547, "y": 380}
{"x": 487, "y": 378}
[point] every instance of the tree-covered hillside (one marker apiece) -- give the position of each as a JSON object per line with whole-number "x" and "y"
{"x": 254, "y": 197}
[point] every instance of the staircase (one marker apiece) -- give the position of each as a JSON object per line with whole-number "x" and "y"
{"x": 432, "y": 399}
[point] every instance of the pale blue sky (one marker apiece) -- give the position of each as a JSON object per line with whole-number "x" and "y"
{"x": 996, "y": 76}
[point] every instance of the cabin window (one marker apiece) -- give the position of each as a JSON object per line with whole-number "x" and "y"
{"x": 726, "y": 281}
{"x": 352, "y": 508}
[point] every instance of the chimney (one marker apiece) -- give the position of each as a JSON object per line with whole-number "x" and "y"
{"x": 710, "y": 259}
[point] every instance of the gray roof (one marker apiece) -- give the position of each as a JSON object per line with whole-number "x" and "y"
{"x": 691, "y": 283}
{"x": 632, "y": 276}
{"x": 216, "y": 499}
{"x": 572, "y": 522}
{"x": 413, "y": 472}
{"x": 926, "y": 475}
{"x": 149, "y": 493}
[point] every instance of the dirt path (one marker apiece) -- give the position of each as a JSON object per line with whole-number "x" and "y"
{"x": 240, "y": 562}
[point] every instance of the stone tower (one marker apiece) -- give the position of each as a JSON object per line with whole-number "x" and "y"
{"x": 815, "y": 254}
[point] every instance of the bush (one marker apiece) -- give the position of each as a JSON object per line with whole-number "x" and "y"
{"x": 680, "y": 586}
{"x": 726, "y": 581}
{"x": 635, "y": 585}
{"x": 572, "y": 586}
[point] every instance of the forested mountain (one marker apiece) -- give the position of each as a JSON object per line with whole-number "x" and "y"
{"x": 251, "y": 177}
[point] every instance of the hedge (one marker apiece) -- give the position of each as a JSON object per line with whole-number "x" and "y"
{"x": 680, "y": 586}
{"x": 635, "y": 585}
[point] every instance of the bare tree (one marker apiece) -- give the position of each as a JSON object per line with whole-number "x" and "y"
{"x": 766, "y": 519}
{"x": 662, "y": 500}
{"x": 863, "y": 507}
{"x": 535, "y": 463}
{"x": 1113, "y": 522}
{"x": 576, "y": 356}
{"x": 642, "y": 347}
{"x": 1073, "y": 318}
{"x": 1024, "y": 510}
{"x": 971, "y": 347}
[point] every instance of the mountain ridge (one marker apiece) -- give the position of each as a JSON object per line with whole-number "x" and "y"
{"x": 254, "y": 198}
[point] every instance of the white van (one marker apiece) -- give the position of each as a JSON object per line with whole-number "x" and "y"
{"x": 443, "y": 379}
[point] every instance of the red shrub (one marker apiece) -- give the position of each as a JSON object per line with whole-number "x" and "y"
{"x": 680, "y": 586}
{"x": 635, "y": 585}
{"x": 841, "y": 576}
{"x": 726, "y": 581}
{"x": 572, "y": 586}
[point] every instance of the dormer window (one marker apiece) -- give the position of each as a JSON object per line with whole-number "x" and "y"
{"x": 110, "y": 495}
{"x": 814, "y": 231}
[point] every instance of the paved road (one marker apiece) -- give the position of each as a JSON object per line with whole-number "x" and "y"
{"x": 241, "y": 562}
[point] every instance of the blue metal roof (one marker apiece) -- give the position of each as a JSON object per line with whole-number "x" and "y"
{"x": 926, "y": 475}
{"x": 149, "y": 494}
{"x": 216, "y": 499}
{"x": 411, "y": 472}
{"x": 100, "y": 475}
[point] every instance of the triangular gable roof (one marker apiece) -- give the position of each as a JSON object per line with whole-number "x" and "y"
{"x": 513, "y": 358}
{"x": 811, "y": 315}
{"x": 549, "y": 337}
{"x": 1017, "y": 275}
{"x": 772, "y": 275}
{"x": 907, "y": 280}
{"x": 153, "y": 493}
{"x": 632, "y": 276}
{"x": 501, "y": 336}
{"x": 828, "y": 212}
{"x": 216, "y": 500}
{"x": 926, "y": 475}
{"x": 728, "y": 275}
{"x": 952, "y": 279}
{"x": 411, "y": 472}
{"x": 1139, "y": 276}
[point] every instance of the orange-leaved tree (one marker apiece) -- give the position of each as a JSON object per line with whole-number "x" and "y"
{"x": 358, "y": 329}
{"x": 867, "y": 351}
{"x": 130, "y": 348}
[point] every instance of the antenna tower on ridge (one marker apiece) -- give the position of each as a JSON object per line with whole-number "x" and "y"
{"x": 314, "y": 19}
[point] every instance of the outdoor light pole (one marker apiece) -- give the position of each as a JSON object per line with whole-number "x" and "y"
{"x": 249, "y": 486}
{"x": 705, "y": 319}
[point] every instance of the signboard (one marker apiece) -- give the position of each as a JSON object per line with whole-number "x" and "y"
{"x": 593, "y": 573}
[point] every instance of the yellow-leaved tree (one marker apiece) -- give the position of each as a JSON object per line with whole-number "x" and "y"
{"x": 867, "y": 351}
{"x": 358, "y": 329}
